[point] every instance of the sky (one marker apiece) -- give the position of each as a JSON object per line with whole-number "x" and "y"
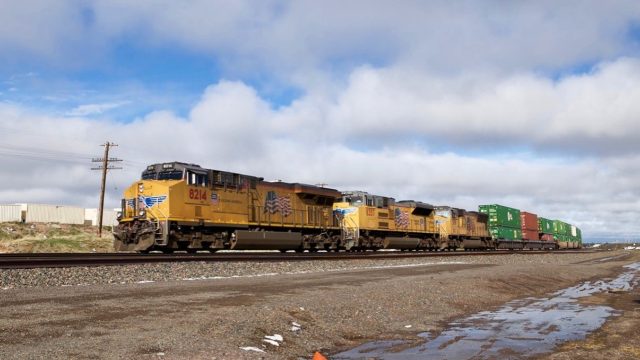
{"x": 531, "y": 104}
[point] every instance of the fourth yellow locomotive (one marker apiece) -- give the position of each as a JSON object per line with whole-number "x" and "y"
{"x": 178, "y": 206}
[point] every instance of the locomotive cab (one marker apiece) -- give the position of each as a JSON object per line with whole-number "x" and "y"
{"x": 152, "y": 204}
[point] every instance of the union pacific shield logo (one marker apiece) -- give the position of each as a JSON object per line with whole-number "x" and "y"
{"x": 151, "y": 201}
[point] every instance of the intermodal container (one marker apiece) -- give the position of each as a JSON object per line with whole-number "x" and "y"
{"x": 574, "y": 231}
{"x": 109, "y": 217}
{"x": 545, "y": 226}
{"x": 54, "y": 214}
{"x": 499, "y": 232}
{"x": 10, "y": 213}
{"x": 528, "y": 221}
{"x": 530, "y": 235}
{"x": 560, "y": 227}
{"x": 546, "y": 237}
{"x": 563, "y": 241}
{"x": 501, "y": 216}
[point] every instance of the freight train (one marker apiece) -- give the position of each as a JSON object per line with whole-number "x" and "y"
{"x": 180, "y": 206}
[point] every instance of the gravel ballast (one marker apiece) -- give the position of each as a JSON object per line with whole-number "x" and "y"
{"x": 332, "y": 305}
{"x": 145, "y": 273}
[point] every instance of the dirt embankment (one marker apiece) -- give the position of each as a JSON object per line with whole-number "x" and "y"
{"x": 33, "y": 238}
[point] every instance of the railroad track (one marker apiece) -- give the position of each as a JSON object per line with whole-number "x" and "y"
{"x": 43, "y": 260}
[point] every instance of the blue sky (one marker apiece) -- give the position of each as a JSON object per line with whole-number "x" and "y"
{"x": 531, "y": 104}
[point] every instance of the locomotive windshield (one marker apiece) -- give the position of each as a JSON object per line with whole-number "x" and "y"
{"x": 170, "y": 175}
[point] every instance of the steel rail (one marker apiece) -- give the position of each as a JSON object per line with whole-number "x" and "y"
{"x": 42, "y": 260}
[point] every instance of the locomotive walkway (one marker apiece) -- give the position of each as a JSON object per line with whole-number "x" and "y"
{"x": 43, "y": 260}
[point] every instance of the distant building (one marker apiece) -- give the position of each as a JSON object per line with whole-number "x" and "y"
{"x": 109, "y": 217}
{"x": 60, "y": 214}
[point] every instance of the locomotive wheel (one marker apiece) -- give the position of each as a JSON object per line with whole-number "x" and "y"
{"x": 167, "y": 251}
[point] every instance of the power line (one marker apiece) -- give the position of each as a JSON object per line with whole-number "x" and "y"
{"x": 106, "y": 166}
{"x": 41, "y": 152}
{"x": 32, "y": 153}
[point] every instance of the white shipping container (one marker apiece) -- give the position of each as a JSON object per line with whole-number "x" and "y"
{"x": 574, "y": 232}
{"x": 10, "y": 213}
{"x": 109, "y": 217}
{"x": 37, "y": 213}
{"x": 90, "y": 216}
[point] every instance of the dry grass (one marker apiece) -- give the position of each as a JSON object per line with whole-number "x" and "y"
{"x": 37, "y": 238}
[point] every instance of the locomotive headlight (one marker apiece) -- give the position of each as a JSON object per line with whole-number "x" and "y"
{"x": 142, "y": 213}
{"x": 141, "y": 188}
{"x": 119, "y": 215}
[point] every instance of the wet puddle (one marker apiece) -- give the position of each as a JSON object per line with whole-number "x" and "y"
{"x": 520, "y": 329}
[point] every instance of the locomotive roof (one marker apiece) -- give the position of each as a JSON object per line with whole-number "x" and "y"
{"x": 175, "y": 165}
{"x": 455, "y": 211}
{"x": 416, "y": 204}
{"x": 364, "y": 193}
{"x": 181, "y": 166}
{"x": 296, "y": 187}
{"x": 306, "y": 188}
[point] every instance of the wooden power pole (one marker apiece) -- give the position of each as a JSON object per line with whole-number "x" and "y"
{"x": 106, "y": 160}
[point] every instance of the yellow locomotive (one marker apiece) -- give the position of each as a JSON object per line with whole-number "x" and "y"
{"x": 179, "y": 206}
{"x": 373, "y": 222}
{"x": 461, "y": 228}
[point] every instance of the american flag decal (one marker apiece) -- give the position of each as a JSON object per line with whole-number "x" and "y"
{"x": 274, "y": 203}
{"x": 402, "y": 219}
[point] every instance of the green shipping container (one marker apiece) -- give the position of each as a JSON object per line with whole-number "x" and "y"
{"x": 560, "y": 227}
{"x": 545, "y": 226}
{"x": 501, "y": 216}
{"x": 499, "y": 232}
{"x": 577, "y": 238}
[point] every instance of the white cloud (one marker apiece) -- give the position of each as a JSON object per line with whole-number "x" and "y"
{"x": 95, "y": 109}
{"x": 594, "y": 113}
{"x": 298, "y": 38}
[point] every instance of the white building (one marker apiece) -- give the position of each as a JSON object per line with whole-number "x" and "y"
{"x": 60, "y": 214}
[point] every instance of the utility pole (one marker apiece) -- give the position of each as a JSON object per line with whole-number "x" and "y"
{"x": 106, "y": 160}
